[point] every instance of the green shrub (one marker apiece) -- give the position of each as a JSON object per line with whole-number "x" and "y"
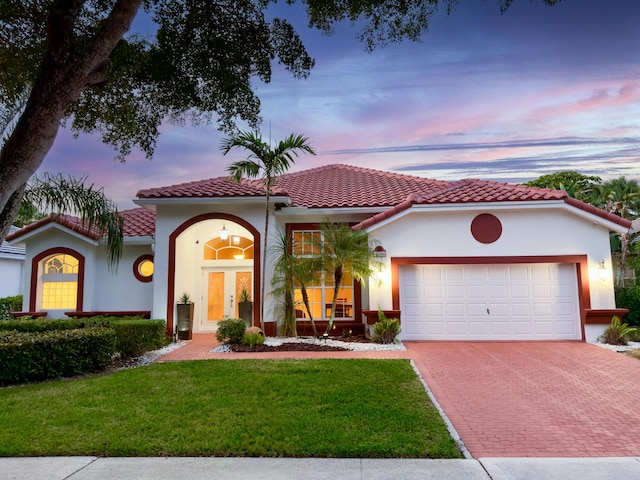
{"x": 34, "y": 325}
{"x": 617, "y": 332}
{"x": 8, "y": 305}
{"x": 134, "y": 335}
{"x": 629, "y": 297}
{"x": 28, "y": 357}
{"x": 137, "y": 336}
{"x": 253, "y": 339}
{"x": 231, "y": 331}
{"x": 385, "y": 329}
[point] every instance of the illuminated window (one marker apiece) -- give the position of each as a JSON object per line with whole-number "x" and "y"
{"x": 143, "y": 268}
{"x": 59, "y": 295}
{"x": 60, "y": 282}
{"x": 320, "y": 289}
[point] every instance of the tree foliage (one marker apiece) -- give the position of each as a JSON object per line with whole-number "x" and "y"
{"x": 70, "y": 61}
{"x": 575, "y": 184}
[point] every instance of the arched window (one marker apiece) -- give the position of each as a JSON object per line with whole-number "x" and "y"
{"x": 60, "y": 282}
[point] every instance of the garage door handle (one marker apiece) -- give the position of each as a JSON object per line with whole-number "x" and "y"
{"x": 488, "y": 313}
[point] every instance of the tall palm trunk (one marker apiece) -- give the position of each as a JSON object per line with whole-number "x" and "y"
{"x": 307, "y": 305}
{"x": 337, "y": 281}
{"x": 264, "y": 258}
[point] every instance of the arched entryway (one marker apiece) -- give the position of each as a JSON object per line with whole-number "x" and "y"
{"x": 214, "y": 259}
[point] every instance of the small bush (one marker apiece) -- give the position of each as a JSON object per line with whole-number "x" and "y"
{"x": 385, "y": 329}
{"x": 617, "y": 332}
{"x": 629, "y": 297}
{"x": 253, "y": 339}
{"x": 231, "y": 331}
{"x": 8, "y": 305}
{"x": 28, "y": 357}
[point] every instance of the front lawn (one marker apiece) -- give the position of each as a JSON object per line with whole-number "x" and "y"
{"x": 271, "y": 408}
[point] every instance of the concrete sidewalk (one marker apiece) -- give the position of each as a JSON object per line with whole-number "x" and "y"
{"x": 181, "y": 468}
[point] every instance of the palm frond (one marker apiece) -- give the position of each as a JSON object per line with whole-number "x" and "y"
{"x": 58, "y": 194}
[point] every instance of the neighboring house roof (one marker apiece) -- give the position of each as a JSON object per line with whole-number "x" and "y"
{"x": 12, "y": 251}
{"x": 138, "y": 222}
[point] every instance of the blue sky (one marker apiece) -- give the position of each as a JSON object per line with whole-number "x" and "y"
{"x": 499, "y": 97}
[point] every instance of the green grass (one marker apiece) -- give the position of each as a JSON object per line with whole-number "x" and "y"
{"x": 271, "y": 408}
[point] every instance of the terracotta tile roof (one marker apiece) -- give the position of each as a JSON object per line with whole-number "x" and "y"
{"x": 335, "y": 186}
{"x": 484, "y": 191}
{"x": 138, "y": 222}
{"x": 330, "y": 186}
{"x": 218, "y": 187}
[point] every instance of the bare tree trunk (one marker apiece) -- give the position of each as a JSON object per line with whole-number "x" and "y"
{"x": 60, "y": 82}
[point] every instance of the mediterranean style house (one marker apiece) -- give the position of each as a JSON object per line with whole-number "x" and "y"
{"x": 462, "y": 260}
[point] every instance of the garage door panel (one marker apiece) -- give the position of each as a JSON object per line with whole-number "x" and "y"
{"x": 519, "y": 291}
{"x": 489, "y": 302}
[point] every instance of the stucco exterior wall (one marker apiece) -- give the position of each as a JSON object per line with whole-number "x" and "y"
{"x": 102, "y": 289}
{"x": 120, "y": 290}
{"x": 525, "y": 232}
{"x": 55, "y": 237}
{"x": 11, "y": 276}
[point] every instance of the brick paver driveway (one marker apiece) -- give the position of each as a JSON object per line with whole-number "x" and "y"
{"x": 535, "y": 399}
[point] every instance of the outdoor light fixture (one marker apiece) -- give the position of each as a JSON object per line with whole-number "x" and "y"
{"x": 603, "y": 272}
{"x": 224, "y": 233}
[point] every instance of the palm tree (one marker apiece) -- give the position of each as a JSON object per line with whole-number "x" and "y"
{"x": 620, "y": 197}
{"x": 268, "y": 164}
{"x": 344, "y": 251}
{"x": 71, "y": 195}
{"x": 290, "y": 273}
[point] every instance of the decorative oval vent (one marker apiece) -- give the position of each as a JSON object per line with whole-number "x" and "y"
{"x": 486, "y": 228}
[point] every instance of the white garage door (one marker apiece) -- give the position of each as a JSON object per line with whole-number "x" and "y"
{"x": 489, "y": 302}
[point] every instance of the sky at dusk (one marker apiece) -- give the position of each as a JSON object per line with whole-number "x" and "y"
{"x": 498, "y": 97}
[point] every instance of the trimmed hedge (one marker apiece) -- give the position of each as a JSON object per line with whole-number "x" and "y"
{"x": 134, "y": 335}
{"x": 28, "y": 357}
{"x": 137, "y": 336}
{"x": 41, "y": 325}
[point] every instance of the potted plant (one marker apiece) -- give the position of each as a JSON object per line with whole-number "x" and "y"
{"x": 245, "y": 307}
{"x": 185, "y": 309}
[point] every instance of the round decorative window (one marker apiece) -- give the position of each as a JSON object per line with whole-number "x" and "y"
{"x": 486, "y": 228}
{"x": 143, "y": 268}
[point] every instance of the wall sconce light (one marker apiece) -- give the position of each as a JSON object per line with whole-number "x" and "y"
{"x": 236, "y": 239}
{"x": 224, "y": 233}
{"x": 239, "y": 256}
{"x": 603, "y": 271}
{"x": 379, "y": 252}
